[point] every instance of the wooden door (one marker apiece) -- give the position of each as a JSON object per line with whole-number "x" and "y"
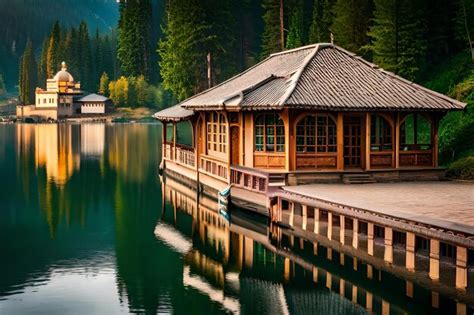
{"x": 352, "y": 141}
{"x": 235, "y": 145}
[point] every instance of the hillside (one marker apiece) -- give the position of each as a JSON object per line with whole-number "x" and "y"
{"x": 22, "y": 19}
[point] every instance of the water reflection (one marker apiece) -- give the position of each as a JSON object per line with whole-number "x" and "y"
{"x": 86, "y": 227}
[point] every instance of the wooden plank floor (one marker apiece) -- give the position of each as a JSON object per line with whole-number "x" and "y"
{"x": 448, "y": 203}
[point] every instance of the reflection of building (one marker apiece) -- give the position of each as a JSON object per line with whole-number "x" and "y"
{"x": 54, "y": 151}
{"x": 92, "y": 140}
{"x": 247, "y": 261}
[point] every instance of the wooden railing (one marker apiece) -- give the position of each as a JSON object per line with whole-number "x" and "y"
{"x": 213, "y": 167}
{"x": 416, "y": 158}
{"x": 253, "y": 180}
{"x": 185, "y": 156}
{"x": 181, "y": 154}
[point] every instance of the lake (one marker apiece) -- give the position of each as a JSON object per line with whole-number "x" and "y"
{"x": 87, "y": 226}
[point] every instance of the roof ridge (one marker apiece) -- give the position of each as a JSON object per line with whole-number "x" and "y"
{"x": 399, "y": 78}
{"x": 296, "y": 77}
{"x": 298, "y": 49}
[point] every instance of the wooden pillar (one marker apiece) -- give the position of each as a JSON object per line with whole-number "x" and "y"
{"x": 369, "y": 299}
{"x": 328, "y": 280}
{"x": 163, "y": 137}
{"x": 355, "y": 233}
{"x": 370, "y": 238}
{"x": 434, "y": 139}
{"x": 461, "y": 267}
{"x": 367, "y": 141}
{"x": 292, "y": 213}
{"x": 315, "y": 274}
{"x": 329, "y": 253}
{"x": 354, "y": 294}
{"x": 287, "y": 269}
{"x": 385, "y": 307}
{"x": 434, "y": 259}
{"x": 341, "y": 259}
{"x": 397, "y": 140}
{"x": 388, "y": 252}
{"x": 288, "y": 145}
{"x": 175, "y": 133}
{"x": 305, "y": 216}
{"x": 248, "y": 252}
{"x": 434, "y": 299}
{"x": 340, "y": 141}
{"x": 410, "y": 251}
{"x": 342, "y": 286}
{"x": 461, "y": 308}
{"x": 409, "y": 288}
{"x": 330, "y": 225}
{"x": 342, "y": 229}
{"x": 370, "y": 272}
{"x": 316, "y": 220}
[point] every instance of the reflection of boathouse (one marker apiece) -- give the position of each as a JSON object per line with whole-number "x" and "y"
{"x": 316, "y": 115}
{"x": 236, "y": 263}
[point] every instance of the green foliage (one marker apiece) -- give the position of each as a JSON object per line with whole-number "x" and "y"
{"x": 462, "y": 169}
{"x": 135, "y": 92}
{"x": 464, "y": 27}
{"x": 294, "y": 38}
{"x": 321, "y": 21}
{"x": 3, "y": 90}
{"x": 134, "y": 34}
{"x": 193, "y": 30}
{"x": 119, "y": 91}
{"x": 104, "y": 84}
{"x": 28, "y": 79}
{"x": 271, "y": 37}
{"x": 52, "y": 57}
{"x": 398, "y": 42}
{"x": 351, "y": 22}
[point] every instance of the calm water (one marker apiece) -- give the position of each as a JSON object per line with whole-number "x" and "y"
{"x": 88, "y": 227}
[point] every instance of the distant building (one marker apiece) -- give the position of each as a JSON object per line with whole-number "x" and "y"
{"x": 95, "y": 104}
{"x": 62, "y": 99}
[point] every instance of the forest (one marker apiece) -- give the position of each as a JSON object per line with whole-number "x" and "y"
{"x": 160, "y": 51}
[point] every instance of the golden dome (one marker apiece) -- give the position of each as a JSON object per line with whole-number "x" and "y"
{"x": 63, "y": 75}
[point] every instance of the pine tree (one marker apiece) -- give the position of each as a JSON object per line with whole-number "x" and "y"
{"x": 295, "y": 34}
{"x": 84, "y": 55}
{"x": 2, "y": 86}
{"x": 351, "y": 23}
{"x": 322, "y": 19}
{"x": 52, "y": 59}
{"x": 43, "y": 65}
{"x": 28, "y": 75}
{"x": 104, "y": 84}
{"x": 133, "y": 50}
{"x": 271, "y": 36}
{"x": 398, "y": 42}
{"x": 465, "y": 24}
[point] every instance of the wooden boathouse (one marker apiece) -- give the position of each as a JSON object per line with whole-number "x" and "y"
{"x": 306, "y": 115}
{"x": 321, "y": 114}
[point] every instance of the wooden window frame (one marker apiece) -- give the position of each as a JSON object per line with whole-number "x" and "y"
{"x": 278, "y": 130}
{"x": 384, "y": 138}
{"x": 216, "y": 133}
{"x": 415, "y": 146}
{"x": 323, "y": 141}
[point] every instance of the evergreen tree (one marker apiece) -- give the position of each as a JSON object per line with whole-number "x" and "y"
{"x": 465, "y": 24}
{"x": 133, "y": 50}
{"x": 322, "y": 19}
{"x": 2, "y": 86}
{"x": 43, "y": 65}
{"x": 295, "y": 34}
{"x": 53, "y": 59}
{"x": 398, "y": 36}
{"x": 271, "y": 36}
{"x": 84, "y": 55}
{"x": 142, "y": 91}
{"x": 351, "y": 23}
{"x": 104, "y": 84}
{"x": 28, "y": 75}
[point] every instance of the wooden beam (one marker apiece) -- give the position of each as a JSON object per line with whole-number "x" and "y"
{"x": 286, "y": 120}
{"x": 175, "y": 133}
{"x": 434, "y": 139}
{"x": 367, "y": 141}
{"x": 397, "y": 140}
{"x": 340, "y": 141}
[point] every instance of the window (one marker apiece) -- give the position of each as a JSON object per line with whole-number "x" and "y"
{"x": 316, "y": 133}
{"x": 380, "y": 134}
{"x": 415, "y": 133}
{"x": 269, "y": 133}
{"x": 216, "y": 132}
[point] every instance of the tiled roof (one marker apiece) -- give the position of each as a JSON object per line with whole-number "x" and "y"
{"x": 94, "y": 98}
{"x": 320, "y": 76}
{"x": 173, "y": 113}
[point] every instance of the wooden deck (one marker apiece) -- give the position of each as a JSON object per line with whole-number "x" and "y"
{"x": 445, "y": 204}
